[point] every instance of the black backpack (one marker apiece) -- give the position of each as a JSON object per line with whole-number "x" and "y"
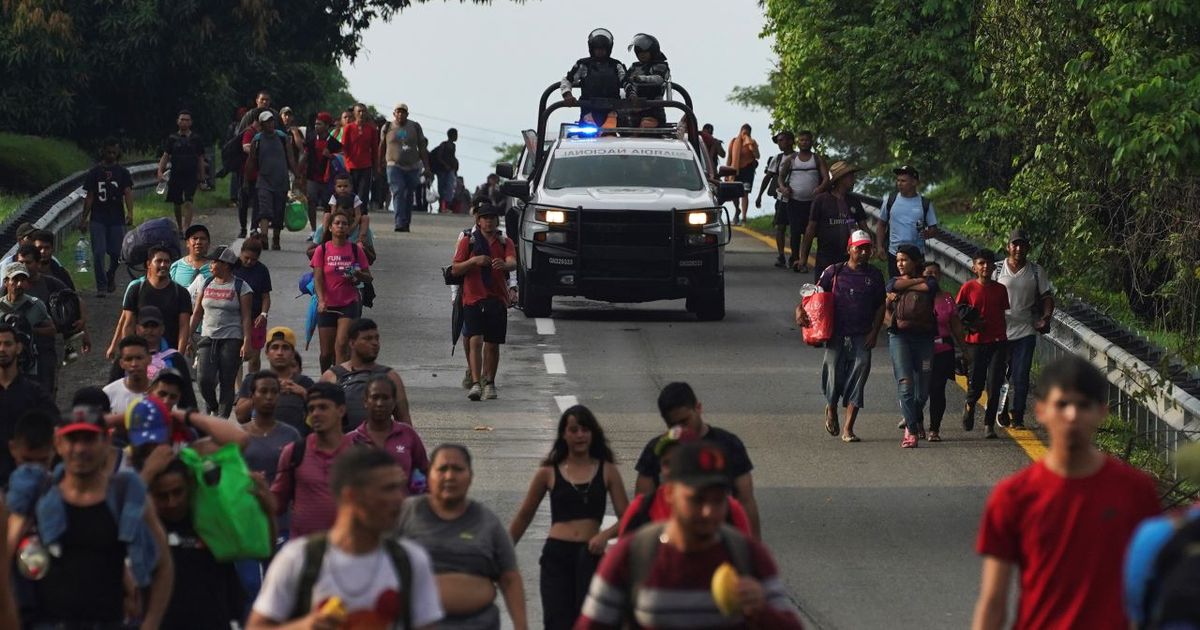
{"x": 354, "y": 384}
{"x": 137, "y": 242}
{"x": 1172, "y": 598}
{"x": 315, "y": 547}
{"x": 65, "y": 310}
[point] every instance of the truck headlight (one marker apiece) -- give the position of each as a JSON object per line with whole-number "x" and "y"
{"x": 697, "y": 218}
{"x": 556, "y": 216}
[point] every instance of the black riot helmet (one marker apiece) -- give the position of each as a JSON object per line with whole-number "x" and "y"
{"x": 600, "y": 38}
{"x": 647, "y": 43}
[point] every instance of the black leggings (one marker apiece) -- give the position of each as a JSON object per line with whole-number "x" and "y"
{"x": 943, "y": 372}
{"x": 567, "y": 569}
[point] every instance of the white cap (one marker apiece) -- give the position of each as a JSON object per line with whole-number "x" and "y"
{"x": 859, "y": 237}
{"x": 265, "y": 116}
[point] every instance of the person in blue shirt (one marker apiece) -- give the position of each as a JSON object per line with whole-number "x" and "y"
{"x": 906, "y": 217}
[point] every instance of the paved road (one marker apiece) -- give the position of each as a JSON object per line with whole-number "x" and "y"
{"x": 867, "y": 535}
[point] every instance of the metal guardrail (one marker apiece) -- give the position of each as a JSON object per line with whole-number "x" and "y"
{"x": 1158, "y": 399}
{"x": 59, "y": 207}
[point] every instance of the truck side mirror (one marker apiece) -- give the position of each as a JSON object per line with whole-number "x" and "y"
{"x": 729, "y": 191}
{"x": 505, "y": 170}
{"x": 518, "y": 188}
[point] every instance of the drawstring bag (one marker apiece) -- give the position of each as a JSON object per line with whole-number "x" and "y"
{"x": 225, "y": 511}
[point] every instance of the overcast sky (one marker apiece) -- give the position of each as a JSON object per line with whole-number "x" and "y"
{"x": 481, "y": 68}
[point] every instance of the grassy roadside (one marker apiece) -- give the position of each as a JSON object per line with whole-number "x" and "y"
{"x": 146, "y": 205}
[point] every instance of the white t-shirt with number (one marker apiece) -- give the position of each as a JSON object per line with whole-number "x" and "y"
{"x": 367, "y": 585}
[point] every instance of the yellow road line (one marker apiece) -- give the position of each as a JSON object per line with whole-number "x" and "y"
{"x": 1026, "y": 439}
{"x": 768, "y": 241}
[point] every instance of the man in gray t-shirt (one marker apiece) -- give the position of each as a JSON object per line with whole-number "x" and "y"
{"x": 406, "y": 155}
{"x": 271, "y": 155}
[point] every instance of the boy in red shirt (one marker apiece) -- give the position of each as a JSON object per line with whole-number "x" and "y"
{"x": 1063, "y": 522}
{"x": 481, "y": 260}
{"x": 986, "y": 340}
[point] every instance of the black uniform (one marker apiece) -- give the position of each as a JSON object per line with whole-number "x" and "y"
{"x": 649, "y": 81}
{"x": 595, "y": 78}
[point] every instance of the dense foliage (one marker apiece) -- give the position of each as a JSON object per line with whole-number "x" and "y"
{"x": 86, "y": 70}
{"x": 1078, "y": 119}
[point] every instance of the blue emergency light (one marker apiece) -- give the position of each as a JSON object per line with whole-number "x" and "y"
{"x": 582, "y": 131}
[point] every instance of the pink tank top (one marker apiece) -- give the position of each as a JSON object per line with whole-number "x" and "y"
{"x": 943, "y": 307}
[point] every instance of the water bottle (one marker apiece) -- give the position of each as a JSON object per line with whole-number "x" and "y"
{"x": 1002, "y": 401}
{"x": 162, "y": 186}
{"x": 810, "y": 289}
{"x": 82, "y": 251}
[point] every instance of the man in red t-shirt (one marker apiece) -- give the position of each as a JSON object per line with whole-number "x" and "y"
{"x": 481, "y": 260}
{"x": 360, "y": 142}
{"x": 1063, "y": 522}
{"x": 985, "y": 339}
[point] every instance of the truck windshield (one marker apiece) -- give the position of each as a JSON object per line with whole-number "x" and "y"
{"x": 572, "y": 169}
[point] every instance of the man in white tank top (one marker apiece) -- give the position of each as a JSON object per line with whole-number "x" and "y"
{"x": 801, "y": 176}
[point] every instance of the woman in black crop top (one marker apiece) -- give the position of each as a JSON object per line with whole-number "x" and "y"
{"x": 578, "y": 473}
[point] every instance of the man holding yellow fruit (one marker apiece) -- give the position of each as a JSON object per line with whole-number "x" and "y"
{"x": 693, "y": 570}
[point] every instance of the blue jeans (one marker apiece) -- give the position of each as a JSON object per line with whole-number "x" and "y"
{"x": 106, "y": 239}
{"x": 402, "y": 182}
{"x": 912, "y": 362}
{"x": 845, "y": 370}
{"x": 1020, "y": 362}
{"x": 447, "y": 181}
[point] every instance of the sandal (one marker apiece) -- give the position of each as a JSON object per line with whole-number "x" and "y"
{"x": 831, "y": 422}
{"x": 850, "y": 438}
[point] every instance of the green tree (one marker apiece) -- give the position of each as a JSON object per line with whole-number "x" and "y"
{"x": 508, "y": 152}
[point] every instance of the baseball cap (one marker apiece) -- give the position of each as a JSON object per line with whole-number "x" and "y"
{"x": 325, "y": 117}
{"x": 677, "y": 434}
{"x": 81, "y": 419}
{"x": 859, "y": 237}
{"x": 1018, "y": 234}
{"x": 147, "y": 421}
{"x": 25, "y": 229}
{"x": 266, "y": 115}
{"x": 402, "y": 106}
{"x": 907, "y": 170}
{"x": 782, "y": 133}
{"x": 488, "y": 210}
{"x": 285, "y": 110}
{"x": 282, "y": 333}
{"x": 12, "y": 270}
{"x": 223, "y": 254}
{"x": 700, "y": 465}
{"x": 150, "y": 315}
{"x": 194, "y": 229}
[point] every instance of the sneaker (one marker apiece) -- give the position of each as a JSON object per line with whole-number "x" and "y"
{"x": 990, "y": 434}
{"x": 405, "y": 229}
{"x": 780, "y": 262}
{"x": 1017, "y": 420}
{"x": 476, "y": 392}
{"x": 934, "y": 437}
{"x": 467, "y": 380}
{"x": 909, "y": 441}
{"x": 242, "y": 233}
{"x": 968, "y": 417}
{"x": 901, "y": 424}
{"x": 921, "y": 432}
{"x": 489, "y": 390}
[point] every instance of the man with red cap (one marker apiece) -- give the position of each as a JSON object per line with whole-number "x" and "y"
{"x": 315, "y": 164}
{"x": 858, "y": 298}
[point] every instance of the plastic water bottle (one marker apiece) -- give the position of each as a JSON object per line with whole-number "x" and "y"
{"x": 162, "y": 186}
{"x": 810, "y": 289}
{"x": 82, "y": 250}
{"x": 1002, "y": 402}
{"x": 32, "y": 558}
{"x": 418, "y": 485}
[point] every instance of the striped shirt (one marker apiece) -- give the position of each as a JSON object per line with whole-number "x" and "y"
{"x": 677, "y": 591}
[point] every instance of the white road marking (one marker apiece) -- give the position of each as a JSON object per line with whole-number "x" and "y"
{"x": 545, "y": 325}
{"x": 554, "y": 363}
{"x": 566, "y": 402}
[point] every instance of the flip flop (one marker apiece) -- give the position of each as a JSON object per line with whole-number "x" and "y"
{"x": 831, "y": 422}
{"x": 850, "y": 438}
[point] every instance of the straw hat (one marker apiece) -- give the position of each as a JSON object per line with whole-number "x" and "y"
{"x": 841, "y": 169}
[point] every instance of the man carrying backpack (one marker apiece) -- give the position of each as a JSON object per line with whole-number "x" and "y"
{"x": 481, "y": 260}
{"x": 445, "y": 165}
{"x": 302, "y": 477}
{"x": 30, "y": 315}
{"x": 907, "y": 217}
{"x": 271, "y": 159}
{"x": 63, "y": 304}
{"x": 354, "y": 575}
{"x": 354, "y": 375}
{"x": 1063, "y": 523}
{"x": 662, "y": 576}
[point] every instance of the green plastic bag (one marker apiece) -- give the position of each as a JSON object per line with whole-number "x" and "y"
{"x": 226, "y": 514}
{"x": 295, "y": 216}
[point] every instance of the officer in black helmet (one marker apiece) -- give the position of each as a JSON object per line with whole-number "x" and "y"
{"x": 649, "y": 78}
{"x": 598, "y": 76}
